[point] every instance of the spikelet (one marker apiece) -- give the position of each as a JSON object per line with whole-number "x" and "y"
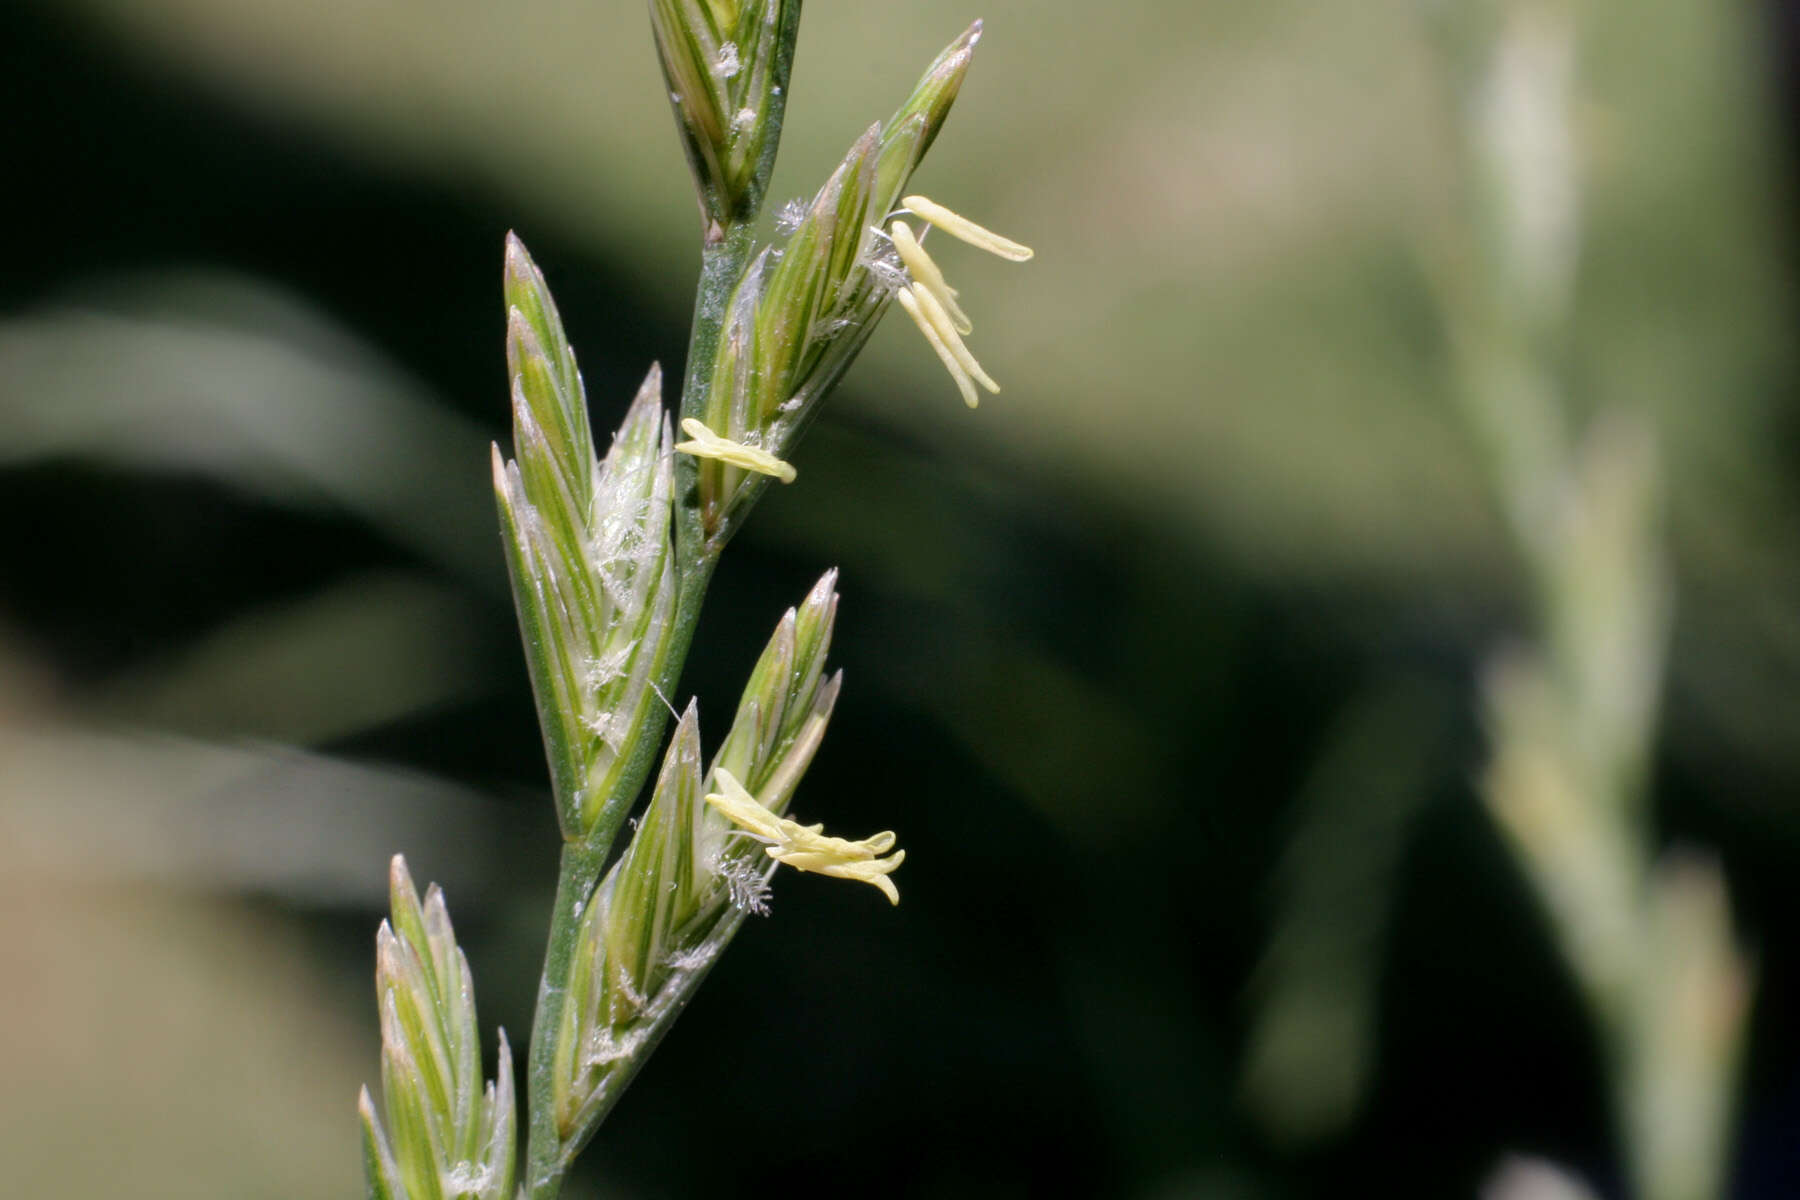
{"x": 445, "y": 1134}
{"x": 664, "y": 912}
{"x": 589, "y": 547}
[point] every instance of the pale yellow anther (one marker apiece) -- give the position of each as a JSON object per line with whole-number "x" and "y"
{"x": 707, "y": 444}
{"x": 926, "y": 274}
{"x": 808, "y": 847}
{"x": 910, "y": 302}
{"x": 961, "y": 227}
{"x": 946, "y": 329}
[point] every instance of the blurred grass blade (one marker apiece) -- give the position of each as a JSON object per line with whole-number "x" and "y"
{"x": 362, "y": 652}
{"x": 1681, "y": 1098}
{"x": 276, "y": 402}
{"x": 1311, "y": 1053}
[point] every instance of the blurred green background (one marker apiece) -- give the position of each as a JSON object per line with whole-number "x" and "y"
{"x": 1162, "y": 662}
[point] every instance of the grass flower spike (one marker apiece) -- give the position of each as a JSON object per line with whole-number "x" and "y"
{"x": 807, "y": 847}
{"x": 1573, "y": 713}
{"x": 610, "y": 555}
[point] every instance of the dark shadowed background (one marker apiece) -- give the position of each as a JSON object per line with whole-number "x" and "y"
{"x": 1162, "y": 662}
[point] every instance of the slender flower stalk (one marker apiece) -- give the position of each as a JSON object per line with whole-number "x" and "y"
{"x": 610, "y": 557}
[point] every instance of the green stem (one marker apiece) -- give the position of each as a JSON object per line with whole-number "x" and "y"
{"x": 545, "y": 1163}
{"x": 722, "y": 264}
{"x": 547, "y": 1156}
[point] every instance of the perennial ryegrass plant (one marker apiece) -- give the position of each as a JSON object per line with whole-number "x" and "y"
{"x": 1572, "y": 711}
{"x": 610, "y": 558}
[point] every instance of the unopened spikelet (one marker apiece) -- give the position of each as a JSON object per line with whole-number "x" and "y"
{"x": 781, "y": 716}
{"x": 588, "y": 545}
{"x": 446, "y": 1136}
{"x": 665, "y": 911}
{"x": 797, "y": 319}
{"x": 726, "y": 63}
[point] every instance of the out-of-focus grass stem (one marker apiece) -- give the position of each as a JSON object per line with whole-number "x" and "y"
{"x": 1573, "y": 712}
